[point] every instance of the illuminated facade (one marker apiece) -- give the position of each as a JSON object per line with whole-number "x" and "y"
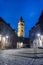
{"x": 21, "y": 27}
{"x": 36, "y": 33}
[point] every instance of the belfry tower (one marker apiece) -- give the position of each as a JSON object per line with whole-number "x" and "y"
{"x": 21, "y": 27}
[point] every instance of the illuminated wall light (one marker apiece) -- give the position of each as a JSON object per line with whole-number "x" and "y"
{"x": 7, "y": 36}
{"x": 38, "y": 34}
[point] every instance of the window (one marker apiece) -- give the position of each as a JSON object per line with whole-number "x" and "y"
{"x": 22, "y": 30}
{"x": 22, "y": 24}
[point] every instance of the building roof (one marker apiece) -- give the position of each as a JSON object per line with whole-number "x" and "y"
{"x": 1, "y": 20}
{"x": 40, "y": 18}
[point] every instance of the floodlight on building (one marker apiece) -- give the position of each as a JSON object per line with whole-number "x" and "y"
{"x": 38, "y": 34}
{"x": 7, "y": 36}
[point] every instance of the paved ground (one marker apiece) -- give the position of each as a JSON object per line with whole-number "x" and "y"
{"x": 12, "y": 60}
{"x": 7, "y": 57}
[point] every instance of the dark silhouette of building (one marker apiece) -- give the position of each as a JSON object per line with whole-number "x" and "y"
{"x": 26, "y": 43}
{"x": 23, "y": 42}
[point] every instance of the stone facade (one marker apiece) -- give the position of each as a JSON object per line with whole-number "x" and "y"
{"x": 8, "y": 38}
{"x": 35, "y": 32}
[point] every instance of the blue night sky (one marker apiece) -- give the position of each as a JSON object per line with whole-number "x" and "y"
{"x": 30, "y": 10}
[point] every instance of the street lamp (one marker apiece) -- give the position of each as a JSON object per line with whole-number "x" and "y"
{"x": 38, "y": 34}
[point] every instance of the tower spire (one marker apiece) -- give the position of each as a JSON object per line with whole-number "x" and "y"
{"x": 21, "y": 19}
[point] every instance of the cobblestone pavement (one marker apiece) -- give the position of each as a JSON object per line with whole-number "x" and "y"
{"x": 7, "y": 58}
{"x": 13, "y": 60}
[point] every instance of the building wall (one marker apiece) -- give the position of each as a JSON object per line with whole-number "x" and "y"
{"x": 8, "y": 39}
{"x": 33, "y": 34}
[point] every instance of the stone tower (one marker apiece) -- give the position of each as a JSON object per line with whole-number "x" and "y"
{"x": 21, "y": 27}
